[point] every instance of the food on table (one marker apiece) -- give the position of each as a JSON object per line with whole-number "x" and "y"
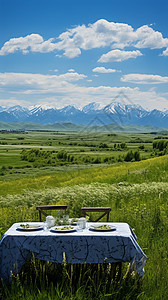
{"x": 64, "y": 228}
{"x": 103, "y": 227}
{"x": 26, "y": 226}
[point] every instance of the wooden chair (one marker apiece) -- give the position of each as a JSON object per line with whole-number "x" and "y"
{"x": 49, "y": 207}
{"x": 104, "y": 210}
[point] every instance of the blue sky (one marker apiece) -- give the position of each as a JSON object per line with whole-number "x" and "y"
{"x": 56, "y": 53}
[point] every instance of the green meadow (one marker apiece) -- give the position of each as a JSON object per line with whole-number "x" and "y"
{"x": 136, "y": 191}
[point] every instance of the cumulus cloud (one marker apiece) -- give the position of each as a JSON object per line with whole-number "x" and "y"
{"x": 32, "y": 42}
{"x": 149, "y": 38}
{"x": 104, "y": 70}
{"x": 119, "y": 55}
{"x": 117, "y": 35}
{"x": 100, "y": 34}
{"x": 165, "y": 52}
{"x": 144, "y": 79}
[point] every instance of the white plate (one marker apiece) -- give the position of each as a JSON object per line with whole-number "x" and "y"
{"x": 30, "y": 228}
{"x": 98, "y": 228}
{"x": 59, "y": 229}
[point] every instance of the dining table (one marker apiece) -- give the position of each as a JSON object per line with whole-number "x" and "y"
{"x": 89, "y": 245}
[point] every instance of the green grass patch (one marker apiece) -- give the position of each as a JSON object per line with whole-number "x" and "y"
{"x": 154, "y": 169}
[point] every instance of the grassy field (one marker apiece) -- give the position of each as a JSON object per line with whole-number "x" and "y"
{"x": 31, "y": 152}
{"x": 137, "y": 192}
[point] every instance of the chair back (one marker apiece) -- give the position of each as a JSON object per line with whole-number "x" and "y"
{"x": 105, "y": 210}
{"x": 44, "y": 208}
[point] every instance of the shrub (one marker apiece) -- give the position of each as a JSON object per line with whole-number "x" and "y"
{"x": 137, "y": 156}
{"x": 62, "y": 155}
{"x": 130, "y": 156}
{"x": 103, "y": 145}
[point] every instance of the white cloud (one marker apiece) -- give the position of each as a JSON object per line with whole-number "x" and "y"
{"x": 165, "y": 52}
{"x": 65, "y": 89}
{"x": 29, "y": 79}
{"x": 27, "y": 83}
{"x": 32, "y": 42}
{"x": 72, "y": 76}
{"x": 100, "y": 34}
{"x": 144, "y": 79}
{"x": 148, "y": 38}
{"x": 119, "y": 55}
{"x": 11, "y": 101}
{"x": 72, "y": 52}
{"x": 104, "y": 70}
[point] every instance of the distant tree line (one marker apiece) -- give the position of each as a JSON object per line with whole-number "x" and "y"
{"x": 41, "y": 158}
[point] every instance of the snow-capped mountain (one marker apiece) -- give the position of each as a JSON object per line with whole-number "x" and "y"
{"x": 91, "y": 107}
{"x": 18, "y": 112}
{"x": 115, "y": 112}
{"x": 35, "y": 110}
{"x": 70, "y": 109}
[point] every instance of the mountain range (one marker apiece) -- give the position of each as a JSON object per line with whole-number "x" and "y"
{"x": 91, "y": 115}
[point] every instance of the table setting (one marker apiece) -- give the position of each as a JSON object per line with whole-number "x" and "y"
{"x": 78, "y": 242}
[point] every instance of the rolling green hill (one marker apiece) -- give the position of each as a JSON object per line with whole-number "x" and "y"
{"x": 73, "y": 127}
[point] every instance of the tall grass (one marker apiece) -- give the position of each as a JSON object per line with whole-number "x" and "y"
{"x": 45, "y": 280}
